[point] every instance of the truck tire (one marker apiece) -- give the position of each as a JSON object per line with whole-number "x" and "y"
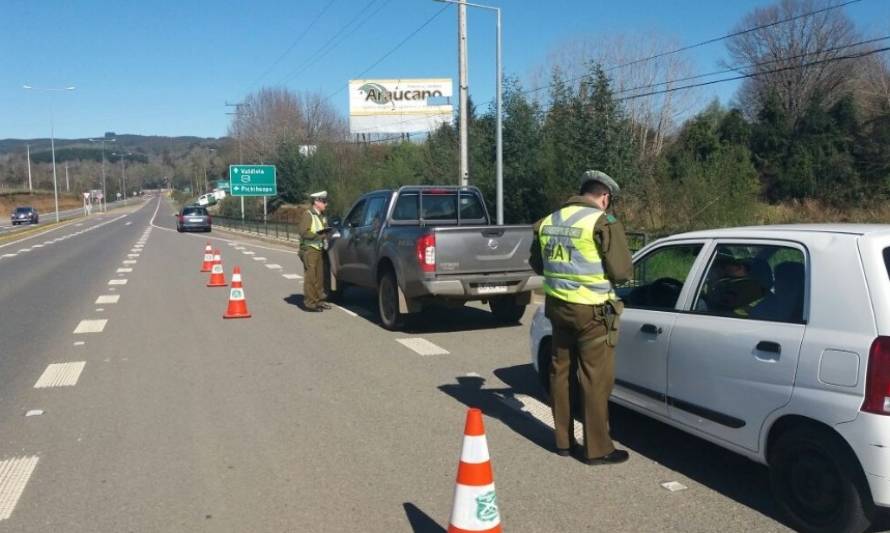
{"x": 388, "y": 301}
{"x": 818, "y": 483}
{"x": 506, "y": 309}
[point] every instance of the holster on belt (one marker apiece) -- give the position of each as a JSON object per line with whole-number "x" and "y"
{"x": 612, "y": 314}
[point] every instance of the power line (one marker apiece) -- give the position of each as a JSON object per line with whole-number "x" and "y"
{"x": 752, "y": 65}
{"x": 302, "y": 67}
{"x": 756, "y": 74}
{"x": 710, "y": 41}
{"x": 294, "y": 43}
{"x": 401, "y": 43}
{"x": 333, "y": 46}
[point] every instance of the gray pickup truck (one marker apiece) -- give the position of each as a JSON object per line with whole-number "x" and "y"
{"x": 422, "y": 245}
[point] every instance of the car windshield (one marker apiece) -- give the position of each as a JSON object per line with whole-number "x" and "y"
{"x": 23, "y": 210}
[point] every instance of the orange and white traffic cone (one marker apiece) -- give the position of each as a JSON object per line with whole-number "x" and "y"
{"x": 207, "y": 265}
{"x": 237, "y": 304}
{"x": 217, "y": 276}
{"x": 475, "y": 504}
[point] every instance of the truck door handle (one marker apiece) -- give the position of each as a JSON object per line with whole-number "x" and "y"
{"x": 769, "y": 346}
{"x": 651, "y": 329}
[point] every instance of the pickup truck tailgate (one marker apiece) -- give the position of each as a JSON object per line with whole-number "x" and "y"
{"x": 482, "y": 249}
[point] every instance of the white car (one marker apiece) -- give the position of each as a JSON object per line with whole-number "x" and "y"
{"x": 772, "y": 342}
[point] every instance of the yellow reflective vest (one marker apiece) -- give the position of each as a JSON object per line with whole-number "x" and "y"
{"x": 573, "y": 267}
{"x": 317, "y": 225}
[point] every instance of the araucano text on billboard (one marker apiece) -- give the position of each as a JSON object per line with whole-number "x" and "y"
{"x": 399, "y": 105}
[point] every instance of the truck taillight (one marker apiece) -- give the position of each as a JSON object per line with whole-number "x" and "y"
{"x": 877, "y": 380}
{"x": 426, "y": 252}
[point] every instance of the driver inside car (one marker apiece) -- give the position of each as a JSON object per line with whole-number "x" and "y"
{"x": 736, "y": 291}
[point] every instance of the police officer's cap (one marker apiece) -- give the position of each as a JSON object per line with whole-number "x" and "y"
{"x": 320, "y": 195}
{"x": 601, "y": 177}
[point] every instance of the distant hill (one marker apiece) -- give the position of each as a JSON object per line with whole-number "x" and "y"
{"x": 138, "y": 144}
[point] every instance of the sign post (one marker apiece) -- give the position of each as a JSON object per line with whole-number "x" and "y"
{"x": 253, "y": 180}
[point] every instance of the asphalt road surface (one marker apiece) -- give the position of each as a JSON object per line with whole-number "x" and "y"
{"x": 149, "y": 412}
{"x": 49, "y": 216}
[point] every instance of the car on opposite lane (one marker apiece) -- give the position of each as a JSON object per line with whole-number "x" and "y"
{"x": 193, "y": 218}
{"x": 22, "y": 215}
{"x": 772, "y": 342}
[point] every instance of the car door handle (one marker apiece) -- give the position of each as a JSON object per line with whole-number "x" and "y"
{"x": 769, "y": 346}
{"x": 651, "y": 329}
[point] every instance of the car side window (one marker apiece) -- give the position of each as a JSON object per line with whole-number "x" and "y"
{"x": 759, "y": 282}
{"x": 374, "y": 211}
{"x": 357, "y": 215}
{"x": 659, "y": 277}
{"x": 406, "y": 207}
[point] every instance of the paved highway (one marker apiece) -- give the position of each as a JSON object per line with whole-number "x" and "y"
{"x": 158, "y": 415}
{"x": 47, "y": 217}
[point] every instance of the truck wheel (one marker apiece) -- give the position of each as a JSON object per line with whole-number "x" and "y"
{"x": 388, "y": 301}
{"x": 506, "y": 309}
{"x": 818, "y": 483}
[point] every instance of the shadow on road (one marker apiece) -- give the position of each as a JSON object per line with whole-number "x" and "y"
{"x": 295, "y": 300}
{"x": 421, "y": 522}
{"x": 725, "y": 472}
{"x": 433, "y": 320}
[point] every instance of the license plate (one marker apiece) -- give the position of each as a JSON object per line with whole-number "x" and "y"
{"x": 193, "y": 219}
{"x": 491, "y": 288}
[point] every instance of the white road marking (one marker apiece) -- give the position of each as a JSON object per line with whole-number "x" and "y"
{"x": 9, "y": 255}
{"x": 422, "y": 346}
{"x": 117, "y": 282}
{"x": 24, "y": 250}
{"x": 79, "y": 343}
{"x": 132, "y": 255}
{"x": 129, "y": 262}
{"x": 14, "y": 476}
{"x": 259, "y": 258}
{"x": 292, "y": 276}
{"x": 674, "y": 486}
{"x": 124, "y": 269}
{"x": 539, "y": 411}
{"x": 100, "y": 309}
{"x": 60, "y": 375}
{"x": 273, "y": 266}
{"x": 81, "y": 224}
{"x": 128, "y": 223}
{"x": 91, "y": 326}
{"x": 136, "y": 250}
{"x": 34, "y": 412}
{"x": 348, "y": 312}
{"x": 248, "y": 252}
{"x": 37, "y": 246}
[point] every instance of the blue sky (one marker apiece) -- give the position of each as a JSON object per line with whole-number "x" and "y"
{"x": 168, "y": 67}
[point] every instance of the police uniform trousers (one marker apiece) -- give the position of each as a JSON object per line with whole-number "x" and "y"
{"x": 579, "y": 341}
{"x": 313, "y": 276}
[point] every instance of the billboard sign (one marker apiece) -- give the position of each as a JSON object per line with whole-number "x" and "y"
{"x": 399, "y": 105}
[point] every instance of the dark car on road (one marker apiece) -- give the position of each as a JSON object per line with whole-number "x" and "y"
{"x": 193, "y": 218}
{"x": 22, "y": 215}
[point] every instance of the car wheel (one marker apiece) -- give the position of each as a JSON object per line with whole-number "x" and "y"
{"x": 818, "y": 483}
{"x": 506, "y": 309}
{"x": 388, "y": 301}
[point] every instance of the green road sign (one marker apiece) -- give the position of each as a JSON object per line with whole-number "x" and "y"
{"x": 253, "y": 180}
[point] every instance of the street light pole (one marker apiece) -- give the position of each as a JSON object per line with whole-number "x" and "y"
{"x": 30, "y": 186}
{"x": 499, "y": 99}
{"x": 103, "y": 140}
{"x": 52, "y": 138}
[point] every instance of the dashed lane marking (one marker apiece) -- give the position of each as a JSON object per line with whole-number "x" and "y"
{"x": 273, "y": 266}
{"x": 108, "y": 299}
{"x": 124, "y": 269}
{"x": 117, "y": 282}
{"x": 36, "y": 246}
{"x": 14, "y": 476}
{"x": 79, "y": 225}
{"x": 128, "y": 223}
{"x": 132, "y": 255}
{"x": 292, "y": 276}
{"x": 422, "y": 346}
{"x": 9, "y": 255}
{"x": 24, "y": 250}
{"x": 259, "y": 258}
{"x": 91, "y": 326}
{"x": 100, "y": 309}
{"x": 79, "y": 343}
{"x": 129, "y": 262}
{"x": 60, "y": 375}
{"x": 538, "y": 410}
{"x": 248, "y": 252}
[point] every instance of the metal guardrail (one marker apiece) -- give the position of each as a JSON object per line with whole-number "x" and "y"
{"x": 276, "y": 229}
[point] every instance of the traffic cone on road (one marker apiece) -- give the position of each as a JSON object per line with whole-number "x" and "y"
{"x": 475, "y": 505}
{"x": 207, "y": 265}
{"x": 237, "y": 304}
{"x": 217, "y": 276}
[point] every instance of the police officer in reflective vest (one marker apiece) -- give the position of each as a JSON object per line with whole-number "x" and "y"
{"x": 582, "y": 252}
{"x": 313, "y": 229}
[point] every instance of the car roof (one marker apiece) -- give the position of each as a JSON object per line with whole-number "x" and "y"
{"x": 787, "y": 230}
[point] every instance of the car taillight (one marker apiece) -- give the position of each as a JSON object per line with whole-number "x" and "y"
{"x": 426, "y": 252}
{"x": 877, "y": 381}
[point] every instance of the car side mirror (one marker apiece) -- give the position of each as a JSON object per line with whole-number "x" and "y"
{"x": 336, "y": 222}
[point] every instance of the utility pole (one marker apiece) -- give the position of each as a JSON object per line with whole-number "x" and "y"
{"x": 238, "y": 113}
{"x": 103, "y": 140}
{"x": 67, "y": 184}
{"x": 462, "y": 53}
{"x": 30, "y": 186}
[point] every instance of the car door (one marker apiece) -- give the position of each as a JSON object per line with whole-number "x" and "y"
{"x": 733, "y": 356}
{"x": 651, "y": 301}
{"x": 345, "y": 246}
{"x": 365, "y": 239}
